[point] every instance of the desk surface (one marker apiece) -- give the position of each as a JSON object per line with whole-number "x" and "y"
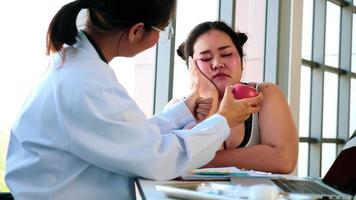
{"x": 148, "y": 191}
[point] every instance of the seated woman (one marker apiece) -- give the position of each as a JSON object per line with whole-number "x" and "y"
{"x": 268, "y": 140}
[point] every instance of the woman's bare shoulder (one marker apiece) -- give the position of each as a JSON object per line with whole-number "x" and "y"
{"x": 265, "y": 87}
{"x": 268, "y": 87}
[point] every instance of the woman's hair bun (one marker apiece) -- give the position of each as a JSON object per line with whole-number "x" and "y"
{"x": 181, "y": 51}
{"x": 242, "y": 38}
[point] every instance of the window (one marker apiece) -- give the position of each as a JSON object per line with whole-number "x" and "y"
{"x": 329, "y": 129}
{"x": 353, "y": 55}
{"x": 326, "y": 118}
{"x": 332, "y": 34}
{"x": 303, "y": 157}
{"x": 304, "y": 108}
{"x": 304, "y": 115}
{"x": 330, "y": 105}
{"x": 137, "y": 75}
{"x": 305, "y": 88}
{"x": 307, "y": 34}
{"x": 352, "y": 106}
{"x": 250, "y": 19}
{"x": 352, "y": 126}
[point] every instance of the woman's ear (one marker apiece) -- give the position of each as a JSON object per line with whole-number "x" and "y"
{"x": 136, "y": 32}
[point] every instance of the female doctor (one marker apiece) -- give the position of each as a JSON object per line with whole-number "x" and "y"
{"x": 80, "y": 136}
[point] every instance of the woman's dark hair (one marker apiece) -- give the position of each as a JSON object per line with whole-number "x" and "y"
{"x": 186, "y": 48}
{"x": 106, "y": 15}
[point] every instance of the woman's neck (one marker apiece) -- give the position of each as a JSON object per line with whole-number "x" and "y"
{"x": 106, "y": 42}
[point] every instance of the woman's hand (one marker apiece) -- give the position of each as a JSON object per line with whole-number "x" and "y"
{"x": 237, "y": 111}
{"x": 203, "y": 91}
{"x": 206, "y": 87}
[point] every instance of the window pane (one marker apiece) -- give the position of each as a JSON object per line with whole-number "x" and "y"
{"x": 187, "y": 18}
{"x": 137, "y": 76}
{"x": 332, "y": 34}
{"x": 330, "y": 105}
{"x": 250, "y": 19}
{"x": 303, "y": 158}
{"x": 307, "y": 29}
{"x": 328, "y": 157}
{"x": 353, "y": 56}
{"x": 304, "y": 109}
{"x": 353, "y": 106}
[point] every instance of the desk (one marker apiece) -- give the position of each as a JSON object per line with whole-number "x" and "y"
{"x": 148, "y": 191}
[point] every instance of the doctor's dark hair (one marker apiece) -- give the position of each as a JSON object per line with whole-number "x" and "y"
{"x": 106, "y": 15}
{"x": 186, "y": 49}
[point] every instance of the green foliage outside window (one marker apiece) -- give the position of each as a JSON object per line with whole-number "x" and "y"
{"x": 3, "y": 149}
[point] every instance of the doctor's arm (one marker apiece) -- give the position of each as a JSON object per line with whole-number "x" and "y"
{"x": 111, "y": 132}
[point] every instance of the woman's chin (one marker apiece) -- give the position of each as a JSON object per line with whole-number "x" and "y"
{"x": 221, "y": 86}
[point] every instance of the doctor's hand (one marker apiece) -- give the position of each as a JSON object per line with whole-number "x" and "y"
{"x": 237, "y": 111}
{"x": 203, "y": 108}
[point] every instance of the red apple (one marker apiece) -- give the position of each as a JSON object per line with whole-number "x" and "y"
{"x": 241, "y": 91}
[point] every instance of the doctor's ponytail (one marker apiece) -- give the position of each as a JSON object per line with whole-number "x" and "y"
{"x": 106, "y": 16}
{"x": 63, "y": 28}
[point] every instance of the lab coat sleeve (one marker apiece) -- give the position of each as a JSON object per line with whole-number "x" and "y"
{"x": 108, "y": 130}
{"x": 173, "y": 117}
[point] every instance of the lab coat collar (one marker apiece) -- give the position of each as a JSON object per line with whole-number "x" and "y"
{"x": 84, "y": 43}
{"x": 56, "y": 60}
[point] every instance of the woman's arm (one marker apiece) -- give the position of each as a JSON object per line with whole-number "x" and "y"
{"x": 278, "y": 150}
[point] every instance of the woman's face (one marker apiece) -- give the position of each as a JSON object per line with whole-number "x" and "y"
{"x": 218, "y": 59}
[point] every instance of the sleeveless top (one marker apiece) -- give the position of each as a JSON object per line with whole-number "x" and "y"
{"x": 252, "y": 131}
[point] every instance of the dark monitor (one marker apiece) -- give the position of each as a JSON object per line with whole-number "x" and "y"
{"x": 342, "y": 173}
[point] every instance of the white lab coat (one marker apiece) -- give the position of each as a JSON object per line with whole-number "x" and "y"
{"x": 80, "y": 136}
